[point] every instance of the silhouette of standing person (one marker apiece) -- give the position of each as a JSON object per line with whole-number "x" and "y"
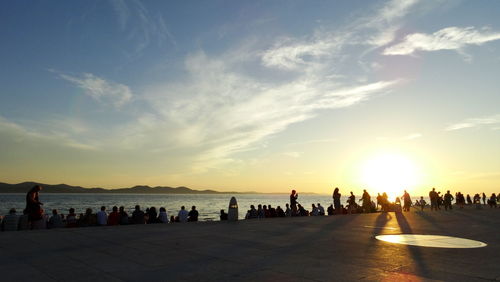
{"x": 33, "y": 204}
{"x": 365, "y": 198}
{"x": 385, "y": 202}
{"x": 293, "y": 202}
{"x": 336, "y": 201}
{"x": 433, "y": 195}
{"x": 351, "y": 201}
{"x": 379, "y": 200}
{"x": 422, "y": 203}
{"x": 406, "y": 201}
{"x": 493, "y": 200}
{"x": 448, "y": 198}
{"x": 469, "y": 200}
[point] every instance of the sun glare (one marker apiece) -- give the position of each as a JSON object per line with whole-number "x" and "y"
{"x": 390, "y": 173}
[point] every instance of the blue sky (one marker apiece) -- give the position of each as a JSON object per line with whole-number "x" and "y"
{"x": 256, "y": 95}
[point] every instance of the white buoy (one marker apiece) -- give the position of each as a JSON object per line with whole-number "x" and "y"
{"x": 232, "y": 214}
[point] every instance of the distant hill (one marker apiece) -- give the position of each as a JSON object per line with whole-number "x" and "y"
{"x": 140, "y": 189}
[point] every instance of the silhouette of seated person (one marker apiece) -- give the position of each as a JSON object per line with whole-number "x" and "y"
{"x": 88, "y": 219}
{"x": 288, "y": 211}
{"x": 302, "y": 211}
{"x": 138, "y": 216}
{"x": 193, "y": 214}
{"x": 163, "y": 217}
{"x": 272, "y": 211}
{"x": 252, "y": 212}
{"x": 123, "y": 216}
{"x": 146, "y": 215}
{"x": 183, "y": 215}
{"x": 55, "y": 221}
{"x": 354, "y": 208}
{"x": 152, "y": 215}
{"x": 260, "y": 211}
{"x": 314, "y": 210}
{"x": 321, "y": 210}
{"x": 114, "y": 217}
{"x": 102, "y": 217}
{"x": 267, "y": 214}
{"x": 223, "y": 215}
{"x": 329, "y": 210}
{"x": 71, "y": 218}
{"x": 10, "y": 222}
{"x": 280, "y": 212}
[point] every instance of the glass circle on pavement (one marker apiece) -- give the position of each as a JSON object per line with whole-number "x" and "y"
{"x": 433, "y": 241}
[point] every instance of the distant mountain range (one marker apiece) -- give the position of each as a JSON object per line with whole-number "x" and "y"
{"x": 140, "y": 189}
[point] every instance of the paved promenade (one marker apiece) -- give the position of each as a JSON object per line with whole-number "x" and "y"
{"x": 330, "y": 248}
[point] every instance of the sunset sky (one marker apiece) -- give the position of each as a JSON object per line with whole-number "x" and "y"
{"x": 252, "y": 95}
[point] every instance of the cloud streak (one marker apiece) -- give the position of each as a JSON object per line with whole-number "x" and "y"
{"x": 412, "y": 136}
{"x": 141, "y": 27}
{"x": 450, "y": 38}
{"x": 377, "y": 30}
{"x": 22, "y": 133}
{"x": 288, "y": 54}
{"x": 102, "y": 91}
{"x": 475, "y": 122}
{"x": 385, "y": 21}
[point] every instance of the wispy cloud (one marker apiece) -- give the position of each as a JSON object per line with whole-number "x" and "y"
{"x": 385, "y": 22}
{"x": 494, "y": 175}
{"x": 450, "y": 38}
{"x": 22, "y": 133}
{"x": 395, "y": 9}
{"x": 122, "y": 12}
{"x": 475, "y": 122}
{"x": 378, "y": 29}
{"x": 408, "y": 137}
{"x": 292, "y": 154}
{"x": 290, "y": 54}
{"x": 99, "y": 89}
{"x": 412, "y": 136}
{"x": 314, "y": 141}
{"x": 141, "y": 26}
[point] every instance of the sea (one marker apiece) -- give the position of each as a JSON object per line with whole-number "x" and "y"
{"x": 208, "y": 205}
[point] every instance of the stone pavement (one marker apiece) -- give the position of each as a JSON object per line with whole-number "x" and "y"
{"x": 329, "y": 248}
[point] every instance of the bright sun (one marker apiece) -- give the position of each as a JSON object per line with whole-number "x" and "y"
{"x": 390, "y": 173}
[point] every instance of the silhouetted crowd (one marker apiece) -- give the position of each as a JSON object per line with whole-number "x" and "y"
{"x": 117, "y": 216}
{"x": 33, "y": 216}
{"x": 438, "y": 200}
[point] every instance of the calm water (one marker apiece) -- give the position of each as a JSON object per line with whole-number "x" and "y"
{"x": 208, "y": 206}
